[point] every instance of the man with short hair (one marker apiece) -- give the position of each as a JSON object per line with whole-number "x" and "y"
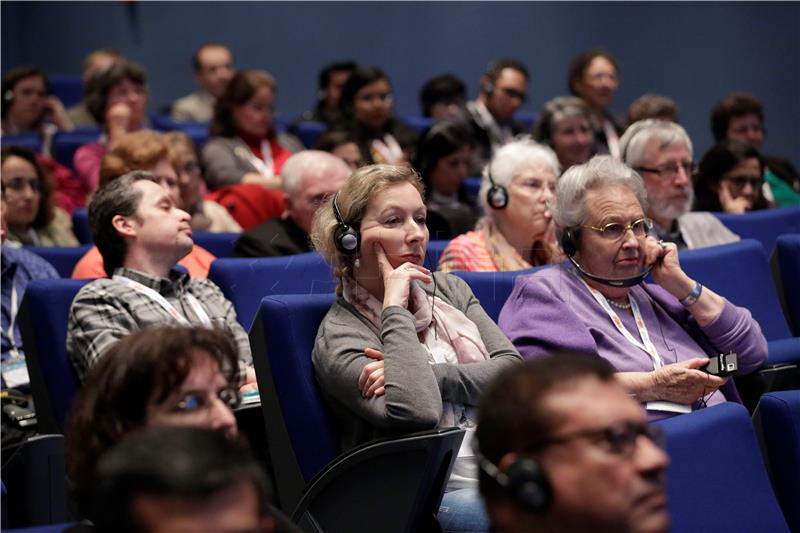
{"x": 504, "y": 88}
{"x": 309, "y": 178}
{"x": 661, "y": 152}
{"x": 96, "y": 62}
{"x": 142, "y": 235}
{"x": 213, "y": 69}
{"x": 564, "y": 448}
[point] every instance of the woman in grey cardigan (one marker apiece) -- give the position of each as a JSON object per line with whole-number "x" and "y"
{"x": 402, "y": 349}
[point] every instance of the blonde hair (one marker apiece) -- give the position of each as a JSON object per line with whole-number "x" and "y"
{"x": 352, "y": 201}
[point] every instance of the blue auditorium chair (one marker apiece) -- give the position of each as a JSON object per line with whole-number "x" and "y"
{"x": 716, "y": 480}
{"x": 473, "y": 186}
{"x": 80, "y": 225}
{"x": 764, "y": 225}
{"x": 68, "y": 88}
{"x": 66, "y": 143}
{"x": 31, "y": 141}
{"x": 526, "y": 118}
{"x": 786, "y": 269}
{"x": 245, "y": 281}
{"x": 397, "y": 483}
{"x": 309, "y": 132}
{"x": 43, "y": 318}
{"x": 63, "y": 258}
{"x": 778, "y": 419}
{"x": 417, "y": 123}
{"x": 433, "y": 253}
{"x": 196, "y": 131}
{"x": 218, "y": 243}
{"x": 492, "y": 289}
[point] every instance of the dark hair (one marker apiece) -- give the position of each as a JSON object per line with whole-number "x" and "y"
{"x": 186, "y": 463}
{"x": 441, "y": 89}
{"x": 496, "y": 67}
{"x": 117, "y": 197}
{"x": 142, "y": 369}
{"x": 555, "y": 111}
{"x": 512, "y": 417}
{"x": 196, "y": 64}
{"x": 582, "y": 62}
{"x": 101, "y": 83}
{"x": 359, "y": 78}
{"x": 46, "y": 210}
{"x": 732, "y": 106}
{"x": 652, "y": 106}
{"x": 13, "y": 77}
{"x": 339, "y": 66}
{"x": 241, "y": 88}
{"x": 332, "y": 139}
{"x": 441, "y": 140}
{"x": 721, "y": 158}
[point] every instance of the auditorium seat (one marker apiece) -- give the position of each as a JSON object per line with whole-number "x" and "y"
{"x": 309, "y": 132}
{"x": 785, "y": 263}
{"x": 716, "y": 480}
{"x": 218, "y": 243}
{"x": 63, "y": 258}
{"x": 31, "y": 141}
{"x": 492, "y": 289}
{"x": 66, "y": 143}
{"x": 417, "y": 123}
{"x": 80, "y": 225}
{"x": 764, "y": 225}
{"x": 196, "y": 131}
{"x": 433, "y": 253}
{"x": 473, "y": 186}
{"x": 68, "y": 88}
{"x": 396, "y": 483}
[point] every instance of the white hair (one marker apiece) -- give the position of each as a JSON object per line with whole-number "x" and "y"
{"x": 309, "y": 162}
{"x": 634, "y": 141}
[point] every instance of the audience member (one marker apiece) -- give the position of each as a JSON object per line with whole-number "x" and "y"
{"x": 19, "y": 267}
{"x": 213, "y": 69}
{"x": 343, "y": 145}
{"x": 517, "y": 231}
{"x": 309, "y": 178}
{"x": 97, "y": 61}
{"x": 177, "y": 376}
{"x": 180, "y": 479}
{"x": 560, "y": 451}
{"x": 149, "y": 151}
{"x": 653, "y": 106}
{"x": 206, "y": 215}
{"x": 331, "y": 81}
{"x": 565, "y": 125}
{"x": 593, "y": 77}
{"x": 504, "y": 88}
{"x": 367, "y": 114}
{"x": 27, "y": 108}
{"x": 117, "y": 99}
{"x": 443, "y": 160}
{"x": 31, "y": 214}
{"x": 141, "y": 236}
{"x": 442, "y": 97}
{"x": 740, "y": 117}
{"x": 245, "y": 148}
{"x": 730, "y": 179}
{"x": 661, "y": 152}
{"x": 398, "y": 353}
{"x": 596, "y": 304}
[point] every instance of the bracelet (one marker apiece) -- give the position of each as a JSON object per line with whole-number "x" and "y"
{"x": 692, "y": 296}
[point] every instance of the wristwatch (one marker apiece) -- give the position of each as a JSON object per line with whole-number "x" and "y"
{"x": 692, "y": 296}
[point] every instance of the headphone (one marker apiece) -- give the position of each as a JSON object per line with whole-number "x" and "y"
{"x": 569, "y": 243}
{"x": 497, "y": 195}
{"x": 525, "y": 482}
{"x": 488, "y": 88}
{"x": 347, "y": 238}
{"x": 8, "y": 95}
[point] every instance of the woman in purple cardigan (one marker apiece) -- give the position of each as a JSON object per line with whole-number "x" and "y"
{"x": 658, "y": 336}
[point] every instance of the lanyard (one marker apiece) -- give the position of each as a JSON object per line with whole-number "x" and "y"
{"x": 168, "y": 307}
{"x": 12, "y": 318}
{"x": 265, "y": 167}
{"x": 646, "y": 344}
{"x": 389, "y": 149}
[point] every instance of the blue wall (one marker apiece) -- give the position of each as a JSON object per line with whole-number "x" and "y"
{"x": 694, "y": 52}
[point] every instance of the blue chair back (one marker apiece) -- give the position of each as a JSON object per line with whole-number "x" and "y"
{"x": 740, "y": 272}
{"x": 473, "y": 186}
{"x": 66, "y": 143}
{"x": 527, "y": 119}
{"x": 310, "y": 132}
{"x": 63, "y": 258}
{"x": 68, "y": 88}
{"x": 80, "y": 225}
{"x": 716, "y": 480}
{"x": 196, "y": 131}
{"x": 764, "y": 225}
{"x": 492, "y": 289}
{"x": 434, "y": 253}
{"x": 787, "y": 262}
{"x": 245, "y": 281}
{"x": 43, "y": 318}
{"x": 417, "y": 123}
{"x": 779, "y": 420}
{"x": 31, "y": 141}
{"x": 218, "y": 243}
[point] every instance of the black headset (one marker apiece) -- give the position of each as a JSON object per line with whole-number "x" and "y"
{"x": 497, "y": 195}
{"x": 525, "y": 482}
{"x": 347, "y": 238}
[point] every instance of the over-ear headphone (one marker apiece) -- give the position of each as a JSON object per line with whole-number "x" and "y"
{"x": 525, "y": 482}
{"x": 488, "y": 88}
{"x": 569, "y": 241}
{"x": 497, "y": 195}
{"x": 8, "y": 95}
{"x": 347, "y": 238}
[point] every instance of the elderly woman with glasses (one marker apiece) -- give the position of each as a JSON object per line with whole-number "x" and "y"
{"x": 659, "y": 336}
{"x": 730, "y": 179}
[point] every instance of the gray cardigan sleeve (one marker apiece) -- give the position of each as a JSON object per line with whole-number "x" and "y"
{"x": 223, "y": 166}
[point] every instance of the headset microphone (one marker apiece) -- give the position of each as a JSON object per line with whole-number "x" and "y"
{"x": 569, "y": 243}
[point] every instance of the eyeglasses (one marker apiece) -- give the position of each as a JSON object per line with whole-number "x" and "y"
{"x": 513, "y": 93}
{"x": 376, "y": 97}
{"x": 668, "y": 172}
{"x": 615, "y": 230}
{"x": 19, "y": 184}
{"x": 739, "y": 182}
{"x": 196, "y": 401}
{"x": 618, "y": 439}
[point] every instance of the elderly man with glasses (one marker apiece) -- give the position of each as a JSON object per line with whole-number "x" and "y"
{"x": 661, "y": 152}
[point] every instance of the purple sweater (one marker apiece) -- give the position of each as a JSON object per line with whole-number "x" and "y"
{"x": 552, "y": 310}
